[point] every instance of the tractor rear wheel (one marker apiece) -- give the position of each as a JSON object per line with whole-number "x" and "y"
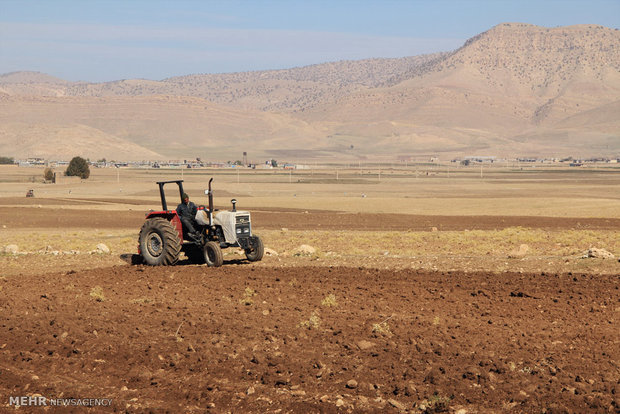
{"x": 255, "y": 253}
{"x": 159, "y": 242}
{"x": 213, "y": 254}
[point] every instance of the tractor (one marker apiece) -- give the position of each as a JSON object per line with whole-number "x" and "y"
{"x": 162, "y": 238}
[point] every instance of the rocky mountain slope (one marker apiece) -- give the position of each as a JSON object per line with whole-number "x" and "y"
{"x": 514, "y": 90}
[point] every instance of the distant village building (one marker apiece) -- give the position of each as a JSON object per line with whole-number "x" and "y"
{"x": 489, "y": 159}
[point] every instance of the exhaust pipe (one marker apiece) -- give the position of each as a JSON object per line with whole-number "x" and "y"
{"x": 210, "y": 196}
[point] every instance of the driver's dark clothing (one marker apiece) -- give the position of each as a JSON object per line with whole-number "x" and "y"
{"x": 187, "y": 213}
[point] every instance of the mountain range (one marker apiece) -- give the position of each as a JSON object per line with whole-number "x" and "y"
{"x": 514, "y": 90}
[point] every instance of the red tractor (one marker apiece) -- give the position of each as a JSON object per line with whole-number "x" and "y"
{"x": 162, "y": 237}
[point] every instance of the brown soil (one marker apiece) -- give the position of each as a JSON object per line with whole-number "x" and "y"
{"x": 45, "y": 217}
{"x": 263, "y": 338}
{"x": 246, "y": 338}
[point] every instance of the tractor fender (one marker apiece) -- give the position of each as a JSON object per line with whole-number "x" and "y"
{"x": 171, "y": 216}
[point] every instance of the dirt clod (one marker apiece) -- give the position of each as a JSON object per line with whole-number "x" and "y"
{"x": 352, "y": 384}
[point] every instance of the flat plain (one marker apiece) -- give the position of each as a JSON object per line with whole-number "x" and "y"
{"x": 428, "y": 288}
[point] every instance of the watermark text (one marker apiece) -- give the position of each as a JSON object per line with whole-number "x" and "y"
{"x": 40, "y": 401}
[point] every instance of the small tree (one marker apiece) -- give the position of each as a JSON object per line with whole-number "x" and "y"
{"x": 48, "y": 174}
{"x": 78, "y": 167}
{"x": 7, "y": 160}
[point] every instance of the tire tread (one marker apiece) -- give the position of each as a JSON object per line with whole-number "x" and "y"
{"x": 170, "y": 237}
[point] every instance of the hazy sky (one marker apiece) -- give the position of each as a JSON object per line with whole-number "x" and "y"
{"x": 103, "y": 40}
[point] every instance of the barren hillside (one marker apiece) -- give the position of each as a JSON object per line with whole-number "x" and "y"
{"x": 29, "y": 78}
{"x": 143, "y": 128}
{"x": 282, "y": 90}
{"x": 516, "y": 89}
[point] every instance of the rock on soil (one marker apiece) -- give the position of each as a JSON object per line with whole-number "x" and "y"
{"x": 599, "y": 253}
{"x": 364, "y": 345}
{"x": 352, "y": 384}
{"x": 520, "y": 252}
{"x": 397, "y": 404}
{"x": 102, "y": 248}
{"x": 11, "y": 249}
{"x": 305, "y": 250}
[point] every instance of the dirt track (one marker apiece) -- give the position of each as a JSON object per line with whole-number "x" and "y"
{"x": 258, "y": 339}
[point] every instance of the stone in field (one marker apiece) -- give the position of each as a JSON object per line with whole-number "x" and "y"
{"x": 102, "y": 248}
{"x": 305, "y": 250}
{"x": 599, "y": 253}
{"x": 11, "y": 249}
{"x": 364, "y": 344}
{"x": 520, "y": 252}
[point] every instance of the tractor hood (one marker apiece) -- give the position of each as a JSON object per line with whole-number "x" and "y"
{"x": 228, "y": 221}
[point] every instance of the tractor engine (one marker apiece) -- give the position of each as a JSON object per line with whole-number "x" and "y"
{"x": 236, "y": 226}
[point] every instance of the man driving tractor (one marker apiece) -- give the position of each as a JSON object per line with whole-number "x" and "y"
{"x": 187, "y": 213}
{"x": 202, "y": 236}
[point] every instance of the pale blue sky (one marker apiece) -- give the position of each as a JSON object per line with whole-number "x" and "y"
{"x": 104, "y": 40}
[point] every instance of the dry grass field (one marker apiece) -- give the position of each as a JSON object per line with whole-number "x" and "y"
{"x": 451, "y": 212}
{"x": 429, "y": 288}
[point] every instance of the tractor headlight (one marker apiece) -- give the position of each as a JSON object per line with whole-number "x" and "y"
{"x": 246, "y": 230}
{"x": 238, "y": 230}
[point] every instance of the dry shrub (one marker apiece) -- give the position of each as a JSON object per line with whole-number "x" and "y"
{"x": 312, "y": 323}
{"x": 97, "y": 294}
{"x": 329, "y": 301}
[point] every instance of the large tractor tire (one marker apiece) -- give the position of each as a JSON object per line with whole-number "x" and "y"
{"x": 159, "y": 242}
{"x": 255, "y": 253}
{"x": 213, "y": 254}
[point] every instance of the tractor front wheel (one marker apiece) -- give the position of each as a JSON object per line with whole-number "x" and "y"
{"x": 213, "y": 254}
{"x": 159, "y": 242}
{"x": 256, "y": 251}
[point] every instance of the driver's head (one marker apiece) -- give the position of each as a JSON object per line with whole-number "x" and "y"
{"x": 185, "y": 198}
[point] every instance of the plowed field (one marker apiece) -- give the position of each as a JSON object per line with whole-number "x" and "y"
{"x": 245, "y": 338}
{"x": 294, "y": 335}
{"x": 45, "y": 217}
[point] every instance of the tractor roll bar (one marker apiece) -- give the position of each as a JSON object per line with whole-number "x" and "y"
{"x": 164, "y": 205}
